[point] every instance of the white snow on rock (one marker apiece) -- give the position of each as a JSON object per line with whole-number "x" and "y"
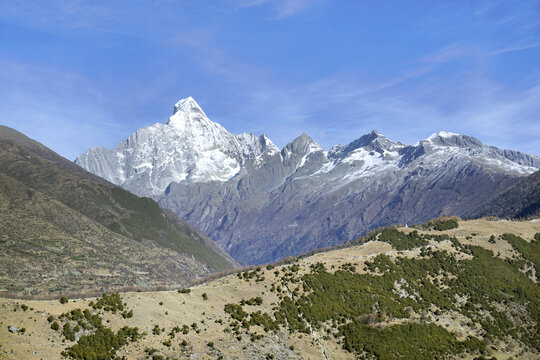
{"x": 192, "y": 148}
{"x": 189, "y": 147}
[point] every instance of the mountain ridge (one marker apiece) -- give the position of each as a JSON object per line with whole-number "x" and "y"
{"x": 294, "y": 197}
{"x": 79, "y": 232}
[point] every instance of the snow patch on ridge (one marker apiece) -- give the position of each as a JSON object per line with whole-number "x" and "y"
{"x": 443, "y": 134}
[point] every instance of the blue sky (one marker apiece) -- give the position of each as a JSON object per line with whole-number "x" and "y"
{"x": 77, "y": 74}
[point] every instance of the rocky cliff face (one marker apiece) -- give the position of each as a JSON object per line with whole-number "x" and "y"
{"x": 262, "y": 204}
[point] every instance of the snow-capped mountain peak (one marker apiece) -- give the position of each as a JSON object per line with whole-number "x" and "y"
{"x": 188, "y": 105}
{"x": 374, "y": 141}
{"x": 189, "y": 147}
{"x": 188, "y": 116}
{"x": 445, "y": 138}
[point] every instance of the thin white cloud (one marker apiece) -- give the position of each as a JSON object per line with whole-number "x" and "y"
{"x": 517, "y": 47}
{"x": 403, "y": 107}
{"x": 446, "y": 54}
{"x": 61, "y": 109}
{"x": 334, "y": 109}
{"x": 281, "y": 8}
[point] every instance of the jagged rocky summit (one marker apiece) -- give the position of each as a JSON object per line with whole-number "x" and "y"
{"x": 261, "y": 203}
{"x": 189, "y": 148}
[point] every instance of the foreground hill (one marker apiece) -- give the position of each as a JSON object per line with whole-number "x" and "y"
{"x": 63, "y": 229}
{"x": 462, "y": 293}
{"x": 521, "y": 200}
{"x": 262, "y": 203}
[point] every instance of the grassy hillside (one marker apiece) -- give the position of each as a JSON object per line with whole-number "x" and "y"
{"x": 519, "y": 201}
{"x": 468, "y": 292}
{"x": 55, "y": 210}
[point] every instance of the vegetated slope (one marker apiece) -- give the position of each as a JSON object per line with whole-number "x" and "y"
{"x": 261, "y": 203}
{"x": 64, "y": 229}
{"x": 521, "y": 200}
{"x": 466, "y": 292}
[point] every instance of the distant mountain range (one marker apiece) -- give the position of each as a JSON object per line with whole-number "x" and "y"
{"x": 63, "y": 229}
{"x": 262, "y": 203}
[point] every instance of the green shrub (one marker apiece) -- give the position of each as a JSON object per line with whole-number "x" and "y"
{"x": 109, "y": 302}
{"x": 404, "y": 341}
{"x": 185, "y": 329}
{"x": 235, "y": 311}
{"x": 446, "y": 225}
{"x": 68, "y": 333}
{"x": 63, "y": 300}
{"x": 263, "y": 320}
{"x": 529, "y": 250}
{"x": 401, "y": 241}
{"x": 102, "y": 345}
{"x": 253, "y": 301}
{"x": 346, "y": 297}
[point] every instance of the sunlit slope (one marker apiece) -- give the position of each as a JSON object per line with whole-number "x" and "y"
{"x": 464, "y": 292}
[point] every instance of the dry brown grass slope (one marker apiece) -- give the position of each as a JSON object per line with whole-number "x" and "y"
{"x": 211, "y": 331}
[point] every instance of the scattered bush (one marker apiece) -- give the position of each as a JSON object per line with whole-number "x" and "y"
{"x": 236, "y": 311}
{"x": 103, "y": 344}
{"x": 253, "y": 301}
{"x": 109, "y": 302}
{"x": 446, "y": 225}
{"x": 401, "y": 241}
